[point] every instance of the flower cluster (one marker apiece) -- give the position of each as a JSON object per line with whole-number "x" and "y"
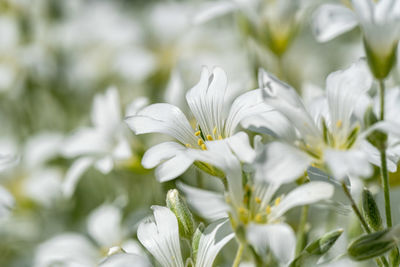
{"x": 199, "y": 134}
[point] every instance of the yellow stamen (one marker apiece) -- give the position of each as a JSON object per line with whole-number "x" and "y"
{"x": 242, "y": 210}
{"x": 188, "y": 145}
{"x": 268, "y": 209}
{"x": 203, "y": 146}
{"x": 200, "y": 142}
{"x": 209, "y": 137}
{"x": 258, "y": 218}
{"x": 339, "y": 123}
{"x": 220, "y": 137}
{"x": 258, "y": 200}
{"x": 197, "y": 133}
{"x": 277, "y": 201}
{"x": 215, "y": 130}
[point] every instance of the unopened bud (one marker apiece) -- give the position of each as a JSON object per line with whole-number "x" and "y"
{"x": 185, "y": 218}
{"x": 371, "y": 210}
{"x": 371, "y": 245}
{"x": 324, "y": 243}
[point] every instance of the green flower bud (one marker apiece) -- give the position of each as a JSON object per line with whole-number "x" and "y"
{"x": 371, "y": 245}
{"x": 380, "y": 62}
{"x": 371, "y": 211}
{"x": 185, "y": 218}
{"x": 196, "y": 240}
{"x": 395, "y": 257}
{"x": 324, "y": 243}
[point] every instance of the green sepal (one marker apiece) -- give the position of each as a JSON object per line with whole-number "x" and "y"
{"x": 371, "y": 211}
{"x": 196, "y": 240}
{"x": 370, "y": 246}
{"x": 185, "y": 218}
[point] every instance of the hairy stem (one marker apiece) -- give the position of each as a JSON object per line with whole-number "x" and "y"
{"x": 384, "y": 171}
{"x": 301, "y": 231}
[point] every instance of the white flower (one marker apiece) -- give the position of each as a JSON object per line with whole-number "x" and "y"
{"x": 213, "y": 121}
{"x": 254, "y": 205}
{"x": 380, "y": 23}
{"x": 6, "y": 202}
{"x": 332, "y": 134}
{"x": 105, "y": 229}
{"x": 101, "y": 145}
{"x": 160, "y": 235}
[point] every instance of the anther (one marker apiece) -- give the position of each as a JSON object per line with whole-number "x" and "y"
{"x": 188, "y": 145}
{"x": 339, "y": 123}
{"x": 258, "y": 200}
{"x": 277, "y": 201}
{"x": 209, "y": 137}
{"x": 200, "y": 142}
{"x": 268, "y": 209}
{"x": 215, "y": 130}
{"x": 197, "y": 133}
{"x": 220, "y": 137}
{"x": 258, "y": 218}
{"x": 203, "y": 146}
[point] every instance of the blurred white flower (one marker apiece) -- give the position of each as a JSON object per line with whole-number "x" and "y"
{"x": 160, "y": 235}
{"x": 101, "y": 145}
{"x": 214, "y": 121}
{"x": 380, "y": 24}
{"x": 331, "y": 134}
{"x": 105, "y": 228}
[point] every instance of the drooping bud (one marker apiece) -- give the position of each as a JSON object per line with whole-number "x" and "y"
{"x": 371, "y": 211}
{"x": 371, "y": 245}
{"x": 185, "y": 218}
{"x": 324, "y": 243}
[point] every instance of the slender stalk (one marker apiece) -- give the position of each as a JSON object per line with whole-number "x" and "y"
{"x": 301, "y": 231}
{"x": 384, "y": 171}
{"x": 355, "y": 208}
{"x": 238, "y": 256}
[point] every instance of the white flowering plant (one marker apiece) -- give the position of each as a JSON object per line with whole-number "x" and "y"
{"x": 199, "y": 133}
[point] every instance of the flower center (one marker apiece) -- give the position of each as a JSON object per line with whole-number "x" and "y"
{"x": 202, "y": 137}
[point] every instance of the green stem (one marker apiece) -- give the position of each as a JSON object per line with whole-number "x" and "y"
{"x": 301, "y": 231}
{"x": 238, "y": 256}
{"x": 355, "y": 208}
{"x": 384, "y": 171}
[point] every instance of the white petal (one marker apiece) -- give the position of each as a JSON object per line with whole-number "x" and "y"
{"x": 272, "y": 123}
{"x": 219, "y": 154}
{"x": 136, "y": 105}
{"x": 213, "y": 239}
{"x": 246, "y": 105}
{"x": 344, "y": 88}
{"x": 374, "y": 156}
{"x": 285, "y": 99}
{"x": 351, "y": 162}
{"x": 175, "y": 91}
{"x": 279, "y": 238}
{"x": 207, "y": 204}
{"x": 86, "y": 141}
{"x": 104, "y": 225}
{"x": 6, "y": 202}
{"x": 280, "y": 163}
{"x": 161, "y": 237}
{"x": 104, "y": 165}
{"x": 122, "y": 150}
{"x": 172, "y": 159}
{"x": 206, "y": 101}
{"x": 67, "y": 248}
{"x": 214, "y": 10}
{"x": 161, "y": 152}
{"x": 41, "y": 148}
{"x": 7, "y": 161}
{"x": 240, "y": 145}
{"x": 106, "y": 111}
{"x": 306, "y": 194}
{"x": 332, "y": 20}
{"x": 73, "y": 175}
{"x": 126, "y": 260}
{"x": 163, "y": 118}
